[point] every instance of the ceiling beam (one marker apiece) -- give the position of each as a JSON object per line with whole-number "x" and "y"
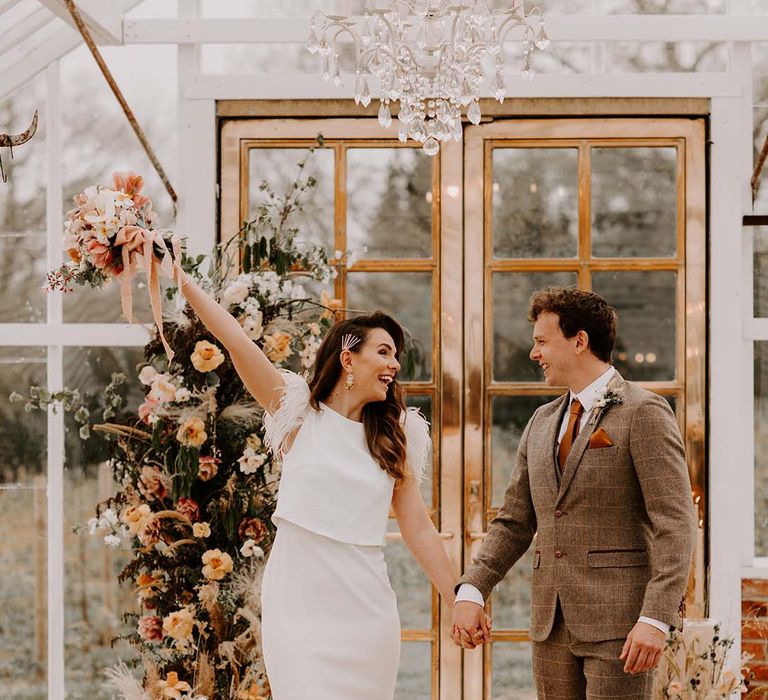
{"x": 610, "y": 28}
{"x": 103, "y": 19}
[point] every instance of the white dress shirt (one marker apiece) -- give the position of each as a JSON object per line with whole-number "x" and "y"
{"x": 468, "y": 592}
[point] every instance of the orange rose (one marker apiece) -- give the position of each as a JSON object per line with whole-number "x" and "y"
{"x": 217, "y": 564}
{"x": 206, "y": 356}
{"x": 192, "y": 433}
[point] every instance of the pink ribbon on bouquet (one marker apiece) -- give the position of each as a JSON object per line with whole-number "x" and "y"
{"x": 134, "y": 239}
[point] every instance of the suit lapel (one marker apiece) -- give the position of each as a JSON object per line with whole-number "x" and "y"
{"x": 579, "y": 446}
{"x": 553, "y": 429}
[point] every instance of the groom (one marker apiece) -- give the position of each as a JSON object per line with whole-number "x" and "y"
{"x": 601, "y": 481}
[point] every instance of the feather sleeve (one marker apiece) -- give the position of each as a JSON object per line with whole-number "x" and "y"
{"x": 289, "y": 415}
{"x": 418, "y": 443}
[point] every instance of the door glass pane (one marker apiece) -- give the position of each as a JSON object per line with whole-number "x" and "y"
{"x": 411, "y": 585}
{"x": 407, "y": 297}
{"x": 760, "y": 275}
{"x": 511, "y": 330}
{"x": 512, "y": 677}
{"x": 646, "y": 305}
{"x": 23, "y": 523}
{"x": 510, "y": 415}
{"x": 430, "y": 485}
{"x": 94, "y": 600}
{"x": 414, "y": 676}
{"x": 89, "y": 305}
{"x": 535, "y": 211}
{"x": 389, "y": 202}
{"x": 511, "y": 599}
{"x": 634, "y": 202}
{"x": 279, "y": 167}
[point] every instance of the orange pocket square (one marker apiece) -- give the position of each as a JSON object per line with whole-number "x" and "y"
{"x": 600, "y": 439}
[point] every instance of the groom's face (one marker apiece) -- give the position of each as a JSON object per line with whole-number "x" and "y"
{"x": 555, "y": 354}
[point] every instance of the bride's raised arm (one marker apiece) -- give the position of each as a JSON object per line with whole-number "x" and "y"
{"x": 259, "y": 375}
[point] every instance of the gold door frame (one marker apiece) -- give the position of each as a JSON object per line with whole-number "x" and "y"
{"x": 460, "y": 321}
{"x": 688, "y": 137}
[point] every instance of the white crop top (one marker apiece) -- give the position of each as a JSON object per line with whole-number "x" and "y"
{"x": 330, "y": 484}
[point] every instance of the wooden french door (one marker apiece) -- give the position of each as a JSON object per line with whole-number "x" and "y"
{"x": 453, "y": 246}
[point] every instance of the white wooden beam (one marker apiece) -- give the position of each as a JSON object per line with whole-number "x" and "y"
{"x": 37, "y": 59}
{"x": 611, "y": 28}
{"x": 103, "y": 19}
{"x": 24, "y": 28}
{"x": 312, "y": 86}
{"x": 74, "y": 334}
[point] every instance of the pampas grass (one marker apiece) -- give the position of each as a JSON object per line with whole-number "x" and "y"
{"x": 120, "y": 679}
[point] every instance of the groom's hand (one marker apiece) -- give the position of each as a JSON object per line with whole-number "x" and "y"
{"x": 643, "y": 648}
{"x": 471, "y": 626}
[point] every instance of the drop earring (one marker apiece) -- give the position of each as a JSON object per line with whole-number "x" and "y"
{"x": 350, "y": 380}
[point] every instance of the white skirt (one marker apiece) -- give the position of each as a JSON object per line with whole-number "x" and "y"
{"x": 330, "y": 628}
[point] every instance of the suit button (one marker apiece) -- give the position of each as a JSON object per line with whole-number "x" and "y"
{"x": 558, "y": 513}
{"x": 558, "y": 553}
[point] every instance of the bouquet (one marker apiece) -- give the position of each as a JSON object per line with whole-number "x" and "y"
{"x": 110, "y": 233}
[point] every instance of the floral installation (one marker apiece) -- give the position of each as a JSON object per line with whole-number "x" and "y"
{"x": 692, "y": 669}
{"x": 197, "y": 486}
{"x": 605, "y": 398}
{"x": 110, "y": 234}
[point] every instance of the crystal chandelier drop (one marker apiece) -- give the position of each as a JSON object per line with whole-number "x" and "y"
{"x": 431, "y": 55}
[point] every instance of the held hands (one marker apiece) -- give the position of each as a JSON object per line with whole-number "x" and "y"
{"x": 643, "y": 648}
{"x": 471, "y": 626}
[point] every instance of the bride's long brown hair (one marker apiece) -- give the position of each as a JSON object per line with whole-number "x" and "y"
{"x": 381, "y": 419}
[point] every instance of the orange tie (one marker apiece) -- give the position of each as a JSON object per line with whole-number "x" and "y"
{"x": 571, "y": 432}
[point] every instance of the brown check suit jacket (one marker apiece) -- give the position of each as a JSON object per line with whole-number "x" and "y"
{"x": 614, "y": 538}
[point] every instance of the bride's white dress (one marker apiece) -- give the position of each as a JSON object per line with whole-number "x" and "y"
{"x": 330, "y": 628}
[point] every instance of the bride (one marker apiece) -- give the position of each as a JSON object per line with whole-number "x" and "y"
{"x": 351, "y": 450}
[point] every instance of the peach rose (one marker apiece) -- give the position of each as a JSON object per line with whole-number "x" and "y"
{"x": 207, "y": 468}
{"x": 217, "y": 564}
{"x": 180, "y": 624}
{"x": 154, "y": 483}
{"x": 206, "y": 356}
{"x": 201, "y": 530}
{"x": 192, "y": 433}
{"x": 151, "y": 628}
{"x": 136, "y": 518}
{"x": 188, "y": 506}
{"x": 146, "y": 409}
{"x": 162, "y": 389}
{"x": 277, "y": 347}
{"x": 100, "y": 254}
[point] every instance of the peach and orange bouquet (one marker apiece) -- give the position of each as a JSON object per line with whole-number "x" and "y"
{"x": 110, "y": 233}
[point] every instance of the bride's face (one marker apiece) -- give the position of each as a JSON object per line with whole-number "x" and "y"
{"x": 374, "y": 366}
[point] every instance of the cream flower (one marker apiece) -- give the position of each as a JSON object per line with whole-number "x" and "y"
{"x": 253, "y": 325}
{"x": 251, "y": 549}
{"x": 201, "y": 530}
{"x": 236, "y": 293}
{"x": 253, "y": 441}
{"x": 136, "y": 518}
{"x": 179, "y": 625}
{"x": 147, "y": 375}
{"x": 217, "y": 564}
{"x": 182, "y": 395}
{"x": 192, "y": 433}
{"x": 277, "y": 347}
{"x": 251, "y": 461}
{"x": 172, "y": 687}
{"x": 206, "y": 356}
{"x": 162, "y": 389}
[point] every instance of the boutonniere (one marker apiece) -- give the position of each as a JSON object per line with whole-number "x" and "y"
{"x": 603, "y": 399}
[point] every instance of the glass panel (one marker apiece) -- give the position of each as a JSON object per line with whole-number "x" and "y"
{"x": 279, "y": 167}
{"x": 535, "y": 210}
{"x": 414, "y": 676}
{"x": 94, "y": 601}
{"x": 389, "y": 202}
{"x": 634, "y": 202}
{"x": 677, "y": 56}
{"x": 510, "y": 415}
{"x": 511, "y": 599}
{"x": 430, "y": 487}
{"x": 88, "y": 305}
{"x": 22, "y": 210}
{"x": 511, "y": 330}
{"x": 761, "y": 448}
{"x": 407, "y": 296}
{"x": 646, "y": 304}
{"x": 760, "y": 273}
{"x": 512, "y": 677}
{"x": 410, "y": 583}
{"x": 23, "y": 522}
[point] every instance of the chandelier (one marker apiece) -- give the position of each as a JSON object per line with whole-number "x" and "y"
{"x": 430, "y": 55}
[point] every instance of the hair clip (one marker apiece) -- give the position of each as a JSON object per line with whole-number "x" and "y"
{"x": 349, "y": 341}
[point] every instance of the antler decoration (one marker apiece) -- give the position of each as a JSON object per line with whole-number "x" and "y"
{"x": 11, "y": 140}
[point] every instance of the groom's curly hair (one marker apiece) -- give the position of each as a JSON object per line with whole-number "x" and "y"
{"x": 579, "y": 310}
